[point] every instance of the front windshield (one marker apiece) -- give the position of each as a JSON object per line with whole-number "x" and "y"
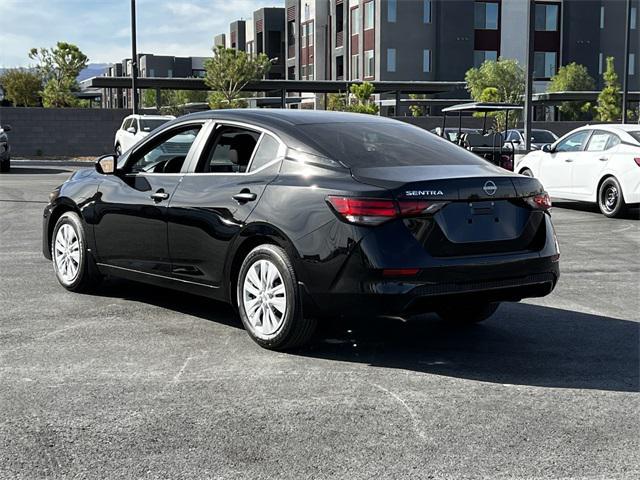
{"x": 147, "y": 125}
{"x": 385, "y": 144}
{"x": 542, "y": 136}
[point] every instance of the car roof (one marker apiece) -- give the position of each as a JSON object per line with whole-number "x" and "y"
{"x": 289, "y": 116}
{"x": 151, "y": 117}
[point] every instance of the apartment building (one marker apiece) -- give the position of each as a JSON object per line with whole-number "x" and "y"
{"x": 237, "y": 35}
{"x": 269, "y": 38}
{"x": 442, "y": 39}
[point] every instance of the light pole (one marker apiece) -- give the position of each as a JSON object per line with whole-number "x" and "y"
{"x": 531, "y": 17}
{"x": 134, "y": 60}
{"x": 625, "y": 77}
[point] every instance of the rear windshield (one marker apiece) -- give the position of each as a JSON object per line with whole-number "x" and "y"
{"x": 635, "y": 134}
{"x": 148, "y": 125}
{"x": 385, "y": 144}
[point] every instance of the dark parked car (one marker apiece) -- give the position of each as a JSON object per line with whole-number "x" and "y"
{"x": 5, "y": 149}
{"x": 295, "y": 215}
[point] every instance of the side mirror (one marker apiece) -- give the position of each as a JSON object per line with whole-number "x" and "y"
{"x": 106, "y": 164}
{"x": 131, "y": 130}
{"x": 6, "y": 128}
{"x": 515, "y": 142}
{"x": 547, "y": 148}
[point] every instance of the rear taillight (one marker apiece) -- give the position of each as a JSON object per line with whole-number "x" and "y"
{"x": 637, "y": 160}
{"x": 542, "y": 201}
{"x": 374, "y": 211}
{"x": 400, "y": 272}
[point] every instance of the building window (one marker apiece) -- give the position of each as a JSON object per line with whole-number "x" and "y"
{"x": 355, "y": 67}
{"x": 544, "y": 64}
{"x": 546, "y": 17}
{"x": 634, "y": 18}
{"x": 426, "y": 60}
{"x": 392, "y": 6}
{"x": 369, "y": 65}
{"x": 152, "y": 72}
{"x": 170, "y": 73}
{"x": 600, "y": 62}
{"x": 481, "y": 56}
{"x": 391, "y": 59}
{"x": 309, "y": 34}
{"x": 368, "y": 15}
{"x": 602, "y": 17}
{"x": 355, "y": 21}
{"x": 426, "y": 11}
{"x": 340, "y": 67}
{"x": 632, "y": 63}
{"x": 486, "y": 16}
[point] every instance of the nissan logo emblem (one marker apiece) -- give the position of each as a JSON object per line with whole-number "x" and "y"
{"x": 490, "y": 188}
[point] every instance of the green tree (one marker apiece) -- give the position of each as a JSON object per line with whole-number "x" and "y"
{"x": 609, "y": 103}
{"x": 21, "y": 87}
{"x": 506, "y": 78}
{"x": 362, "y": 93}
{"x": 59, "y": 67}
{"x": 336, "y": 102}
{"x": 573, "y": 78}
{"x": 229, "y": 71}
{"x": 416, "y": 109}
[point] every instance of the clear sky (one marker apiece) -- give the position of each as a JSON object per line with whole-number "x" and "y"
{"x": 101, "y": 28}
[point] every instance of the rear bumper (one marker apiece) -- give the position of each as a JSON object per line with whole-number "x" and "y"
{"x": 490, "y": 282}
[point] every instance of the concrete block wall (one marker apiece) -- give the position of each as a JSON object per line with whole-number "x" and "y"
{"x": 66, "y": 132}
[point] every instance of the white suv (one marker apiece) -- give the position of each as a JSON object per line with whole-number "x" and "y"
{"x": 136, "y": 127}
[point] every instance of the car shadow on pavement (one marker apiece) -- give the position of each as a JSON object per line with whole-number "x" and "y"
{"x": 632, "y": 213}
{"x": 36, "y": 171}
{"x": 520, "y": 345}
{"x": 181, "y": 302}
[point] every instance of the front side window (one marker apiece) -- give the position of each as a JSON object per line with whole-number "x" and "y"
{"x": 368, "y": 15}
{"x": 369, "y": 65}
{"x": 486, "y": 16}
{"x": 165, "y": 155}
{"x": 573, "y": 143}
{"x": 266, "y": 152}
{"x": 230, "y": 150}
{"x": 148, "y": 125}
{"x": 601, "y": 141}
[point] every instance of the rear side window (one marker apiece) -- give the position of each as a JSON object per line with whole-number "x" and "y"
{"x": 266, "y": 152}
{"x": 635, "y": 134}
{"x": 230, "y": 151}
{"x": 601, "y": 141}
{"x": 385, "y": 144}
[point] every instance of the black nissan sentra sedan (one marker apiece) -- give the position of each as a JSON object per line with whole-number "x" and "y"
{"x": 295, "y": 215}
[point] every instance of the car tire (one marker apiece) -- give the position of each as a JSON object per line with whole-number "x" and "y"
{"x": 526, "y": 172}
{"x": 5, "y": 166}
{"x": 73, "y": 264}
{"x": 269, "y": 301}
{"x": 468, "y": 314}
{"x": 610, "y": 198}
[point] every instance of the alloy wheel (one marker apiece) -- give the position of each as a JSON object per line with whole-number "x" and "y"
{"x": 610, "y": 197}
{"x": 66, "y": 253}
{"x": 264, "y": 298}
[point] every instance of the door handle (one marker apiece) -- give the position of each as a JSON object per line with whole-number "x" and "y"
{"x": 244, "y": 197}
{"x": 603, "y": 159}
{"x": 568, "y": 160}
{"x": 159, "y": 196}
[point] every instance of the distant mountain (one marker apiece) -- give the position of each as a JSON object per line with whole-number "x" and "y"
{"x": 92, "y": 70}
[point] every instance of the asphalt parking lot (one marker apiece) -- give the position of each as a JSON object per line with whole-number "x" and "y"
{"x": 139, "y": 382}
